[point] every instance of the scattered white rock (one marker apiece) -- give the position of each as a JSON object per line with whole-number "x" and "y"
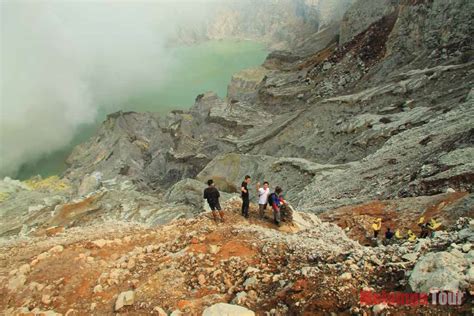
{"x": 98, "y": 288}
{"x": 16, "y": 282}
{"x": 100, "y": 243}
{"x": 346, "y": 276}
{"x": 56, "y": 249}
{"x": 466, "y": 247}
{"x": 201, "y": 279}
{"x": 377, "y": 309}
{"x": 160, "y": 311}
{"x": 240, "y": 298}
{"x": 131, "y": 264}
{"x": 410, "y": 257}
{"x": 251, "y": 270}
{"x": 213, "y": 249}
{"x": 125, "y": 299}
{"x": 24, "y": 269}
{"x": 36, "y": 286}
{"x": 71, "y": 312}
{"x": 223, "y": 309}
{"x": 43, "y": 256}
{"x": 46, "y": 299}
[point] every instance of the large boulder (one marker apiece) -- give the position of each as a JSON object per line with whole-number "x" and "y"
{"x": 445, "y": 271}
{"x": 223, "y": 309}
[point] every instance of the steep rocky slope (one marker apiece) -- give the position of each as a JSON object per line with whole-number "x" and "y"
{"x": 389, "y": 112}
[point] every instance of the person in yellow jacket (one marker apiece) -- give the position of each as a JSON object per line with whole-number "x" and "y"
{"x": 398, "y": 235}
{"x": 411, "y": 236}
{"x": 421, "y": 220}
{"x": 432, "y": 226}
{"x": 376, "y": 226}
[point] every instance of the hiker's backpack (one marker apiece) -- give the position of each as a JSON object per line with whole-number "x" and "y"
{"x": 270, "y": 198}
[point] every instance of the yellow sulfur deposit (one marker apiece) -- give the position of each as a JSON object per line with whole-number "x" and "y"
{"x": 53, "y": 183}
{"x": 3, "y": 196}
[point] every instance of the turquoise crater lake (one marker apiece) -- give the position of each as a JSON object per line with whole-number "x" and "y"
{"x": 207, "y": 66}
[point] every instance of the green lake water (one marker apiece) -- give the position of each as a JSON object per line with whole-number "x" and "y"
{"x": 195, "y": 69}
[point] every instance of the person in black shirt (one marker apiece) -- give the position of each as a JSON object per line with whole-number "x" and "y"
{"x": 388, "y": 234}
{"x": 245, "y": 197}
{"x": 211, "y": 194}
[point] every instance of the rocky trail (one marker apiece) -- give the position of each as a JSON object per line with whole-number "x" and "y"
{"x": 307, "y": 267}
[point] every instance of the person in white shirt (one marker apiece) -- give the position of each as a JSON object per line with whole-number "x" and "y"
{"x": 262, "y": 198}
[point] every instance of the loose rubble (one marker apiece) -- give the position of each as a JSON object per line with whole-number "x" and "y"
{"x": 196, "y": 265}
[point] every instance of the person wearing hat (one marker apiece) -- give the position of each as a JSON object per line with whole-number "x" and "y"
{"x": 376, "y": 226}
{"x": 411, "y": 235}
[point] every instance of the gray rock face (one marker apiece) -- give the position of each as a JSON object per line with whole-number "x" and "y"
{"x": 360, "y": 15}
{"x": 432, "y": 33}
{"x": 374, "y": 138}
{"x": 375, "y": 173}
{"x": 150, "y": 150}
{"x": 292, "y": 174}
{"x": 187, "y": 191}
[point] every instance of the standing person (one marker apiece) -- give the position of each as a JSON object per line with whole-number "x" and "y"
{"x": 245, "y": 196}
{"x": 388, "y": 234}
{"x": 211, "y": 194}
{"x": 376, "y": 226}
{"x": 274, "y": 201}
{"x": 263, "y": 194}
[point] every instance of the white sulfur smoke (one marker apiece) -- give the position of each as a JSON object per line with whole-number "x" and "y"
{"x": 63, "y": 60}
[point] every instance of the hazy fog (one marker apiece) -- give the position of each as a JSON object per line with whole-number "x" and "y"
{"x": 63, "y": 60}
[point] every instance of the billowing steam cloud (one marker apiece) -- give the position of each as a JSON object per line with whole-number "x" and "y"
{"x": 62, "y": 60}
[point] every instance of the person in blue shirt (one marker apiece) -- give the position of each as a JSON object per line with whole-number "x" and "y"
{"x": 274, "y": 201}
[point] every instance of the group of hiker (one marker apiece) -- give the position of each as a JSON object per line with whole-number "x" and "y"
{"x": 426, "y": 230}
{"x": 274, "y": 199}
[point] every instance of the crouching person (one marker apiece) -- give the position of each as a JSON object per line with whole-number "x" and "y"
{"x": 211, "y": 194}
